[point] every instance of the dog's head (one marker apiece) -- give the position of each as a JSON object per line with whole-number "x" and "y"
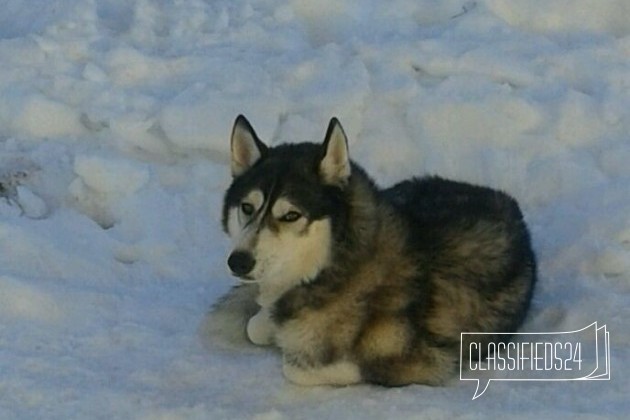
{"x": 283, "y": 203}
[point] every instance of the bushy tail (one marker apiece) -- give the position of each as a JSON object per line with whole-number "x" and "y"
{"x": 225, "y": 325}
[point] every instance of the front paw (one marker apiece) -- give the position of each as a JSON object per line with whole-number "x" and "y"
{"x": 260, "y": 328}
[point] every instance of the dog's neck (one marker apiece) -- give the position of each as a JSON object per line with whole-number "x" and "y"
{"x": 271, "y": 291}
{"x": 363, "y": 218}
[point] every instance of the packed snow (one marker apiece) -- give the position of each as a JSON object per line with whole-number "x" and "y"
{"x": 114, "y": 154}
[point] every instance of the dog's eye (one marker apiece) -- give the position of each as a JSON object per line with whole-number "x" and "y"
{"x": 247, "y": 209}
{"x": 291, "y": 216}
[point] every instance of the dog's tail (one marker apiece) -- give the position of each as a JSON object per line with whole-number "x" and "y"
{"x": 226, "y": 323}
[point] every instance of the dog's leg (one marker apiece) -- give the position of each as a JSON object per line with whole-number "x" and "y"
{"x": 261, "y": 329}
{"x": 338, "y": 373}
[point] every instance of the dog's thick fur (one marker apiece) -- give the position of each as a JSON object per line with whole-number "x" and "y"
{"x": 361, "y": 284}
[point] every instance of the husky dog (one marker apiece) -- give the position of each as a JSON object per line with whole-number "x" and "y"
{"x": 359, "y": 284}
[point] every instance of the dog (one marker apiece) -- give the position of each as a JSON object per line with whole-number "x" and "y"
{"x": 357, "y": 284}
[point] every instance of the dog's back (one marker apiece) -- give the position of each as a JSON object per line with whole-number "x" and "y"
{"x": 476, "y": 272}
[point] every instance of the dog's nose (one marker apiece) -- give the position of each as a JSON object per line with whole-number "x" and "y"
{"x": 241, "y": 262}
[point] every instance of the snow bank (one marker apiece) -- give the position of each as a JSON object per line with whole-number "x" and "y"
{"x": 114, "y": 141}
{"x": 604, "y": 16}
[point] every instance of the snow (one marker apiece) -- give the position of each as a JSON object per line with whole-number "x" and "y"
{"x": 114, "y": 139}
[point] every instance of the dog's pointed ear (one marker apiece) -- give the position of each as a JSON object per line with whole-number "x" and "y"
{"x": 334, "y": 168}
{"x": 246, "y": 148}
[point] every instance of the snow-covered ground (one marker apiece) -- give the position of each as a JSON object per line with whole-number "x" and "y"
{"x": 114, "y": 125}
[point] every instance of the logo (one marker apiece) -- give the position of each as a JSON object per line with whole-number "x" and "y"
{"x": 580, "y": 355}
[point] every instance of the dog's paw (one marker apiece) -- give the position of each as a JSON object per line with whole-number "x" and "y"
{"x": 261, "y": 329}
{"x": 337, "y": 374}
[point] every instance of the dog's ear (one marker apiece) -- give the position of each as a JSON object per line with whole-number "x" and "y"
{"x": 245, "y": 146}
{"x": 334, "y": 168}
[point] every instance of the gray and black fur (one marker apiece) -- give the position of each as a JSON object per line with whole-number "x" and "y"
{"x": 411, "y": 267}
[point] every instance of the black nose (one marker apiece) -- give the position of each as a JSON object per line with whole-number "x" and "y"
{"x": 241, "y": 262}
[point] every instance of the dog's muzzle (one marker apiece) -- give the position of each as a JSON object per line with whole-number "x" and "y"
{"x": 241, "y": 263}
